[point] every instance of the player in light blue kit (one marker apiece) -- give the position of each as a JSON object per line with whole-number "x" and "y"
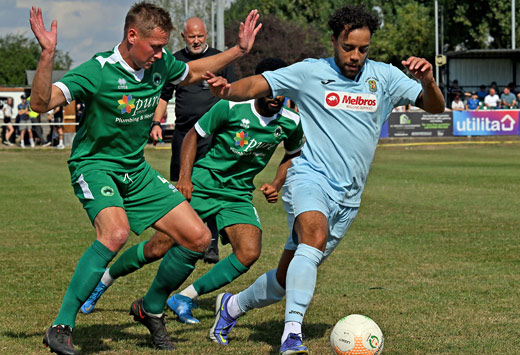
{"x": 343, "y": 102}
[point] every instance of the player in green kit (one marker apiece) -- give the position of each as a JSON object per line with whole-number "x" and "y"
{"x": 220, "y": 186}
{"x": 118, "y": 189}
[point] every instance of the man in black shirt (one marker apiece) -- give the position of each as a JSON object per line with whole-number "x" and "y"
{"x": 191, "y": 102}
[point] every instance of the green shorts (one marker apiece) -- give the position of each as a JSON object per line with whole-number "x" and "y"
{"x": 226, "y": 211}
{"x": 145, "y": 195}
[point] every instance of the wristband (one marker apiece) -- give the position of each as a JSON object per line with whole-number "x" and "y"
{"x": 155, "y": 123}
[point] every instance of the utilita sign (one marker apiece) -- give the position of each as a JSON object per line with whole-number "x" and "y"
{"x": 485, "y": 123}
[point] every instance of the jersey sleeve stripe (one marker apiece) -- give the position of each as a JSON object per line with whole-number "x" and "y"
{"x": 293, "y": 116}
{"x": 200, "y": 131}
{"x": 183, "y": 76}
{"x": 65, "y": 90}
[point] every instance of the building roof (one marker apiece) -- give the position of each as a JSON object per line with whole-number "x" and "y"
{"x": 56, "y": 75}
{"x": 513, "y": 54}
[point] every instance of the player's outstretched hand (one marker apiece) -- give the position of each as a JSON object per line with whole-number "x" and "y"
{"x": 47, "y": 39}
{"x": 156, "y": 134}
{"x": 419, "y": 67}
{"x": 185, "y": 187}
{"x": 218, "y": 85}
{"x": 248, "y": 30}
{"x": 270, "y": 193}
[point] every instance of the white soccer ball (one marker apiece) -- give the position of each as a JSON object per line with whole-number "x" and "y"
{"x": 356, "y": 335}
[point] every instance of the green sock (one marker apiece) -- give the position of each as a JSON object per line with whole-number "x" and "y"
{"x": 131, "y": 260}
{"x": 225, "y": 271}
{"x": 88, "y": 272}
{"x": 176, "y": 266}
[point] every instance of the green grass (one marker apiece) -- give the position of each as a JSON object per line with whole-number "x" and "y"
{"x": 433, "y": 257}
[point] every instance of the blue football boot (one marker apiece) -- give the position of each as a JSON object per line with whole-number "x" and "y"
{"x": 89, "y": 304}
{"x": 223, "y": 321}
{"x": 182, "y": 306}
{"x": 293, "y": 345}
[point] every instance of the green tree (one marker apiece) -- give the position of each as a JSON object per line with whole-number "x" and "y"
{"x": 407, "y": 30}
{"x": 284, "y": 39}
{"x": 19, "y": 53}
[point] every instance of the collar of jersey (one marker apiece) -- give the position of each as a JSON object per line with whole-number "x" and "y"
{"x": 138, "y": 74}
{"x": 264, "y": 120}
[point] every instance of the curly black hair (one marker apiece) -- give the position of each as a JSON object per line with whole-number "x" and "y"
{"x": 270, "y": 64}
{"x": 352, "y": 17}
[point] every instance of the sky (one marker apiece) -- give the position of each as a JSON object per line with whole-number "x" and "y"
{"x": 85, "y": 27}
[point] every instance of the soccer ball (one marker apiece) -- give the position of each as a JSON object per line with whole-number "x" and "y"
{"x": 356, "y": 335}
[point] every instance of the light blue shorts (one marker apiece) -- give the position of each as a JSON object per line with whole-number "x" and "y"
{"x": 303, "y": 193}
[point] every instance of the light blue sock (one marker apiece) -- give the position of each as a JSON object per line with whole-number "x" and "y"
{"x": 264, "y": 291}
{"x": 301, "y": 281}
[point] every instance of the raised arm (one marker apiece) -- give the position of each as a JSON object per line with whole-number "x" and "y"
{"x": 44, "y": 96}
{"x": 271, "y": 190}
{"x": 246, "y": 37}
{"x": 431, "y": 98}
{"x": 251, "y": 87}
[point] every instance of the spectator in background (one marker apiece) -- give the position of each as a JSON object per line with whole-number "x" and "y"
{"x": 191, "y": 102}
{"x": 57, "y": 130}
{"x": 492, "y": 100}
{"x": 25, "y": 122}
{"x": 511, "y": 87}
{"x": 7, "y": 109}
{"x": 455, "y": 90}
{"x": 80, "y": 107}
{"x": 508, "y": 99}
{"x": 482, "y": 93}
{"x": 473, "y": 103}
{"x": 493, "y": 85}
{"x": 518, "y": 100}
{"x": 457, "y": 104}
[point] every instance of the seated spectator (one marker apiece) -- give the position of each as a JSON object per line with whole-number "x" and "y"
{"x": 455, "y": 89}
{"x": 473, "y": 103}
{"x": 508, "y": 99}
{"x": 518, "y": 100}
{"x": 482, "y": 93}
{"x": 492, "y": 100}
{"x": 511, "y": 87}
{"x": 457, "y": 104}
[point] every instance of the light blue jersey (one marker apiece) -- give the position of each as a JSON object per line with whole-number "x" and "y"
{"x": 341, "y": 118}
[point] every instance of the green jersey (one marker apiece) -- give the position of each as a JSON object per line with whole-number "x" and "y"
{"x": 119, "y": 106}
{"x": 243, "y": 142}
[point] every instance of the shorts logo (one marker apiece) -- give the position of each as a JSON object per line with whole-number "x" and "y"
{"x": 107, "y": 191}
{"x": 126, "y": 104}
{"x": 350, "y": 101}
{"x": 157, "y": 79}
{"x": 241, "y": 138}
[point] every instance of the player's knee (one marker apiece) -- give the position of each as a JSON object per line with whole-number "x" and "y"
{"x": 200, "y": 239}
{"x": 116, "y": 238}
{"x": 249, "y": 256}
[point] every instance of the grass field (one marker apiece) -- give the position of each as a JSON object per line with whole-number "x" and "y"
{"x": 433, "y": 258}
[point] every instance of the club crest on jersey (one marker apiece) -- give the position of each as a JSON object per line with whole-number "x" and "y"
{"x": 372, "y": 84}
{"x": 245, "y": 123}
{"x": 157, "y": 79}
{"x": 278, "y": 131}
{"x": 241, "y": 138}
{"x": 126, "y": 104}
{"x": 122, "y": 84}
{"x": 339, "y": 100}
